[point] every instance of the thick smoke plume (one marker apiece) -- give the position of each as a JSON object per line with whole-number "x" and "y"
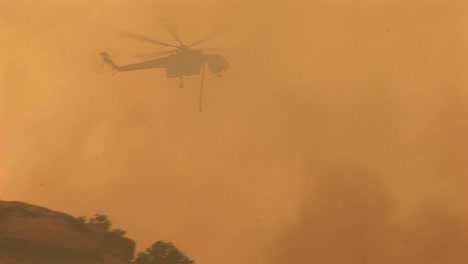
{"x": 337, "y": 135}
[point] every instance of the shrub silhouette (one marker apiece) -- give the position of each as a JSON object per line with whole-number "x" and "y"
{"x": 162, "y": 253}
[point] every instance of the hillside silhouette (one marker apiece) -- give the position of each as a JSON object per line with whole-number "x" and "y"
{"x": 31, "y": 234}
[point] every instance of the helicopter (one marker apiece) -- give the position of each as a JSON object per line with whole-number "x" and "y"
{"x": 181, "y": 61}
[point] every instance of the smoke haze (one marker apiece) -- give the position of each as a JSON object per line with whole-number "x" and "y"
{"x": 338, "y": 135}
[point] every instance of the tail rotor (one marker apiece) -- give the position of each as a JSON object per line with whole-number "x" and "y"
{"x": 107, "y": 61}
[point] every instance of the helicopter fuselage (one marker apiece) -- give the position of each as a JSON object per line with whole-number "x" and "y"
{"x": 189, "y": 62}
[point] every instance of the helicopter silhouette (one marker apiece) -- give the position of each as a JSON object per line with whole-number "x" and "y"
{"x": 182, "y": 61}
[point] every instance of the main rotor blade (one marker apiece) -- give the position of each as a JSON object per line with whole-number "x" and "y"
{"x": 132, "y": 35}
{"x": 220, "y": 30}
{"x": 152, "y": 55}
{"x": 221, "y": 49}
{"x": 171, "y": 26}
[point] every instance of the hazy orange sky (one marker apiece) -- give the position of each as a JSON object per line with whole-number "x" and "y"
{"x": 338, "y": 135}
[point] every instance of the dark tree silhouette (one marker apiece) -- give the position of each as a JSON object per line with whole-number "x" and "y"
{"x": 100, "y": 221}
{"x": 162, "y": 253}
{"x": 119, "y": 232}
